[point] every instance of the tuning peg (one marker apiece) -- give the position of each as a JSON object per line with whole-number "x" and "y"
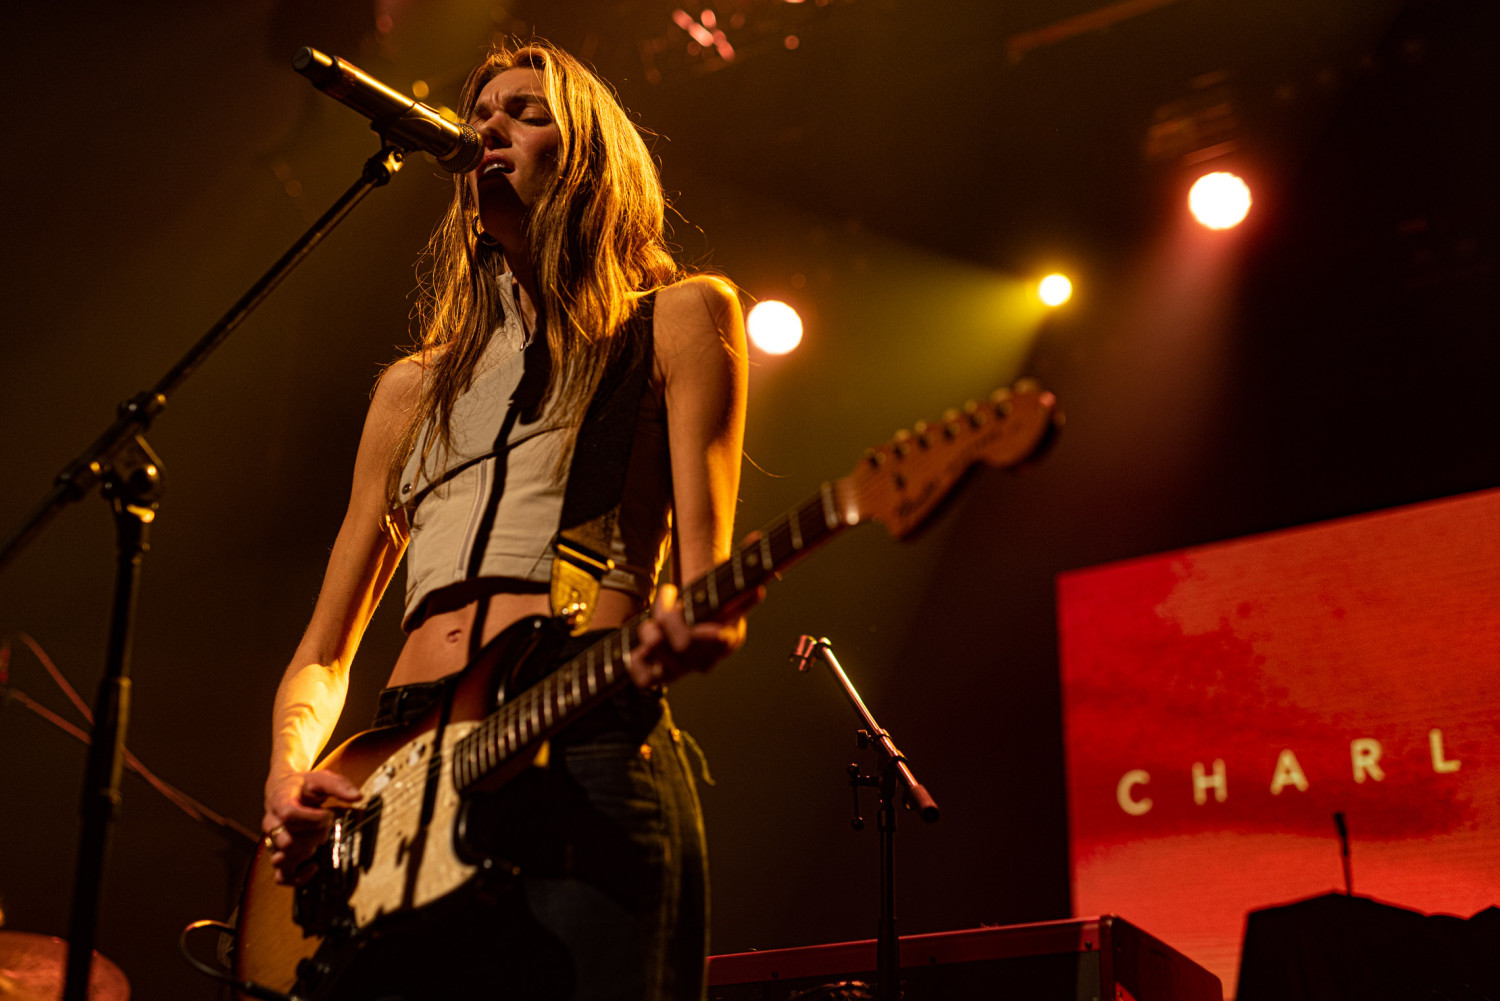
{"x": 950, "y": 423}
{"x": 923, "y": 435}
{"x": 901, "y": 443}
{"x": 875, "y": 457}
{"x": 1001, "y": 398}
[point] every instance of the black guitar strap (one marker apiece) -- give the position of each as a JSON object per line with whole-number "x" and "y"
{"x": 596, "y": 477}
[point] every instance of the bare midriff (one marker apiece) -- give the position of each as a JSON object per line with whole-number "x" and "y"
{"x": 440, "y": 645}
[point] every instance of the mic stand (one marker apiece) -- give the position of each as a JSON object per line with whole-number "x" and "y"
{"x": 894, "y": 769}
{"x": 1343, "y": 829}
{"x": 129, "y": 475}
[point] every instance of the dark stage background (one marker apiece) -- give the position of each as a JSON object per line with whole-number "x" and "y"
{"x": 894, "y": 177}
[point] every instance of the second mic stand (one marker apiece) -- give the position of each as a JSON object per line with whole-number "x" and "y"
{"x": 894, "y": 770}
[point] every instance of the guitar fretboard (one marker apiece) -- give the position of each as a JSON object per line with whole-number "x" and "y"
{"x": 604, "y": 668}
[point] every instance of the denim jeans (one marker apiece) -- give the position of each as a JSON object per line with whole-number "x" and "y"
{"x": 611, "y": 900}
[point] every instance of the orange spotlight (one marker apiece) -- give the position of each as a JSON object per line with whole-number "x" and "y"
{"x": 1054, "y": 290}
{"x": 774, "y": 327}
{"x": 1219, "y": 200}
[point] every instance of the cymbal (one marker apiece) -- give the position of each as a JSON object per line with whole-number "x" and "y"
{"x": 34, "y": 968}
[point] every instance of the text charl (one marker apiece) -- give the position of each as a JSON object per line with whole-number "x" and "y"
{"x": 1212, "y": 781}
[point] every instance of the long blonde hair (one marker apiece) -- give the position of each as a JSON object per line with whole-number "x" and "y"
{"x": 597, "y": 243}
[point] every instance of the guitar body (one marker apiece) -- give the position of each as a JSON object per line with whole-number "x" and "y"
{"x": 402, "y": 849}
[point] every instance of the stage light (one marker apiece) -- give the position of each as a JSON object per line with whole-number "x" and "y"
{"x": 1219, "y": 200}
{"x": 696, "y": 31}
{"x": 774, "y": 327}
{"x": 704, "y": 32}
{"x": 1055, "y": 290}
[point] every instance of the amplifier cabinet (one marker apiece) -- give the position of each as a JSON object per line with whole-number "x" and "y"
{"x": 1082, "y": 959}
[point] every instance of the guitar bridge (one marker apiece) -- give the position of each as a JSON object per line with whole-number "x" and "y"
{"x": 321, "y": 905}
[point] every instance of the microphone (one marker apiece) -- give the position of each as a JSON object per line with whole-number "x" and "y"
{"x": 807, "y": 647}
{"x": 398, "y": 119}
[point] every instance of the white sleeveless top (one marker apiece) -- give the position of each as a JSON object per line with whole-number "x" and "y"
{"x": 490, "y": 505}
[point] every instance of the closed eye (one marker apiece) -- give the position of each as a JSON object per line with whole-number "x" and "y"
{"x": 532, "y": 110}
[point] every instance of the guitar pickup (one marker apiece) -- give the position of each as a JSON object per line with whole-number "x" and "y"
{"x": 367, "y": 833}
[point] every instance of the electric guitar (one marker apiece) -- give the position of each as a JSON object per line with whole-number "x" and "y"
{"x": 383, "y": 863}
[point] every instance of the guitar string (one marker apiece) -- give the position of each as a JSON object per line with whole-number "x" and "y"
{"x": 510, "y": 718}
{"x": 403, "y": 792}
{"x": 406, "y": 790}
{"x": 411, "y": 788}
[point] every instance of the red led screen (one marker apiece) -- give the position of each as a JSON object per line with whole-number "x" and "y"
{"x": 1222, "y": 702}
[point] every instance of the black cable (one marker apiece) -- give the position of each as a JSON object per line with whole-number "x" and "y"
{"x": 249, "y": 987}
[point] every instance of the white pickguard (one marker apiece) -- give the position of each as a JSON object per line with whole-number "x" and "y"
{"x": 387, "y": 886}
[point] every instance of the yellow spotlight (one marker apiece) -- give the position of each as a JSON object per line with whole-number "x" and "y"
{"x": 1219, "y": 200}
{"x": 1055, "y": 290}
{"x": 774, "y": 327}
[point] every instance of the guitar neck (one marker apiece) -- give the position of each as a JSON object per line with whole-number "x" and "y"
{"x": 600, "y": 671}
{"x": 765, "y": 553}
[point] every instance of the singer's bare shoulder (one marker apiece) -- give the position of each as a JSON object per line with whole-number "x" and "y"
{"x": 697, "y": 313}
{"x": 399, "y": 386}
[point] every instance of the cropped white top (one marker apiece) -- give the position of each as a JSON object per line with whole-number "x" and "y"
{"x": 489, "y": 506}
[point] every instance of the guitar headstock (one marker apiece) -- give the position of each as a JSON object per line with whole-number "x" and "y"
{"x": 900, "y": 483}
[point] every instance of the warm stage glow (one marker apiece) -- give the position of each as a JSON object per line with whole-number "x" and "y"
{"x": 774, "y": 327}
{"x": 1055, "y": 290}
{"x": 1219, "y": 200}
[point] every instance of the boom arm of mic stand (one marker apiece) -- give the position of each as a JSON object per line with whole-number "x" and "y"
{"x": 136, "y": 414}
{"x": 917, "y": 795}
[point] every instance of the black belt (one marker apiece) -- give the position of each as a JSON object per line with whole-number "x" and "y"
{"x": 404, "y": 703}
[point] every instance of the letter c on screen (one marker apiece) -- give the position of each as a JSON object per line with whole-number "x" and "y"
{"x": 1134, "y": 807}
